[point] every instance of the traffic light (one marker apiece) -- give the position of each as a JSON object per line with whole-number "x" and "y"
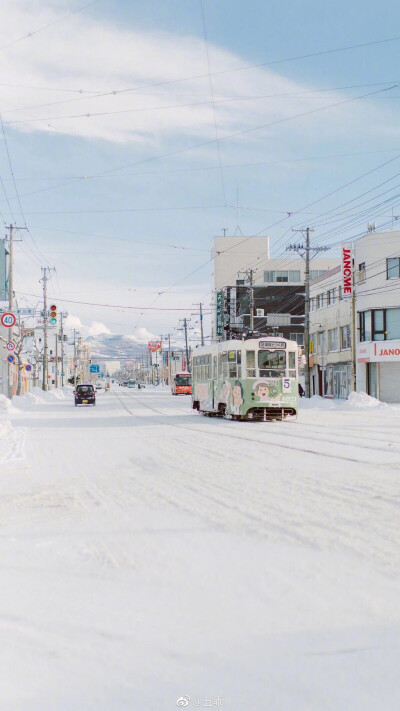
{"x": 53, "y": 314}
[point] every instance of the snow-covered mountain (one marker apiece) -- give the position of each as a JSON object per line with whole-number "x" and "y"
{"x": 113, "y": 346}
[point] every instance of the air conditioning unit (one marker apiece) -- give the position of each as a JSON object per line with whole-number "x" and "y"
{"x": 259, "y": 312}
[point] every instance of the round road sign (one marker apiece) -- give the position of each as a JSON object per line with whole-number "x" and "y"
{"x": 8, "y": 320}
{"x": 28, "y": 368}
{"x": 10, "y": 346}
{"x": 11, "y": 358}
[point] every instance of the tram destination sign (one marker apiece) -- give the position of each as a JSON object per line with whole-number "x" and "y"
{"x": 272, "y": 344}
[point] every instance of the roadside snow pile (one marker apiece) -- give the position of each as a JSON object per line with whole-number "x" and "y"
{"x": 362, "y": 401}
{"x": 316, "y": 402}
{"x": 5, "y": 404}
{"x": 26, "y": 401}
{"x": 5, "y": 426}
{"x": 49, "y": 395}
{"x": 6, "y": 407}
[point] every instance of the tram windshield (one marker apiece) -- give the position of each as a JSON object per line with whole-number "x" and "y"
{"x": 183, "y": 379}
{"x": 272, "y": 364}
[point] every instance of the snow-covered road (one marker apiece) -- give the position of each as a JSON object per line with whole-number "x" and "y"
{"x": 148, "y": 553}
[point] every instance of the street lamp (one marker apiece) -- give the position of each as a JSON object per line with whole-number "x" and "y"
{"x": 321, "y": 333}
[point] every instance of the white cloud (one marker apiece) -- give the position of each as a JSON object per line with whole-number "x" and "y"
{"x": 96, "y": 328}
{"x": 142, "y": 335}
{"x": 72, "y": 322}
{"x": 72, "y": 56}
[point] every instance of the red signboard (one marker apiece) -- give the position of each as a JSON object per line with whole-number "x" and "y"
{"x": 154, "y": 346}
{"x": 347, "y": 270}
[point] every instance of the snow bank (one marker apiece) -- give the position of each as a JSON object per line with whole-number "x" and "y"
{"x": 50, "y": 395}
{"x": 6, "y": 406}
{"x": 39, "y": 397}
{"x": 362, "y": 400}
{"x": 316, "y": 402}
{"x": 355, "y": 401}
{"x": 5, "y": 427}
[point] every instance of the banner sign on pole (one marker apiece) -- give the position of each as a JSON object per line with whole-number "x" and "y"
{"x": 347, "y": 270}
{"x": 220, "y": 301}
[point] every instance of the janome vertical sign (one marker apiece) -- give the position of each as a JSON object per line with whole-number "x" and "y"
{"x": 347, "y": 270}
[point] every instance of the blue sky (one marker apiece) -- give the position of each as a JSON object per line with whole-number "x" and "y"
{"x": 125, "y": 202}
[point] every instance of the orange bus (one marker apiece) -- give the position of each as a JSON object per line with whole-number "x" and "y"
{"x": 181, "y": 384}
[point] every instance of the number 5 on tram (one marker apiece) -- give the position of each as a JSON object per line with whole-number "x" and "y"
{"x": 255, "y": 379}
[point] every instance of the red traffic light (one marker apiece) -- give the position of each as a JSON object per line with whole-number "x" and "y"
{"x": 53, "y": 307}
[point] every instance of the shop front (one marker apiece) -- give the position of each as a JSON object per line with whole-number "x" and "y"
{"x": 378, "y": 368}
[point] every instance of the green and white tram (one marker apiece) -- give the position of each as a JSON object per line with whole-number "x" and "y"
{"x": 255, "y": 379}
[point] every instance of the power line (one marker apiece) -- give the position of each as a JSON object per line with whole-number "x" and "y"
{"x": 49, "y": 24}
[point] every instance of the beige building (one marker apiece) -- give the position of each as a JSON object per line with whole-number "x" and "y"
{"x": 331, "y": 362}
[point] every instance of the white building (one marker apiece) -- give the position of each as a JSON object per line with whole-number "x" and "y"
{"x": 377, "y": 284}
{"x": 331, "y": 356}
{"x": 233, "y": 255}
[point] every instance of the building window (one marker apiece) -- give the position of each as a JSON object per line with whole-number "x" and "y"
{"x": 282, "y": 276}
{"x": 345, "y": 337}
{"x": 320, "y": 301}
{"x": 393, "y": 268}
{"x": 365, "y": 326}
{"x": 378, "y": 325}
{"x": 298, "y": 337}
{"x": 333, "y": 341}
{"x": 392, "y": 324}
{"x": 361, "y": 273}
{"x": 314, "y": 273}
{"x": 321, "y": 342}
{"x": 331, "y": 297}
{"x": 312, "y": 303}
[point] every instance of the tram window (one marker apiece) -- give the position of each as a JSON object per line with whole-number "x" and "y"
{"x": 215, "y": 368}
{"x": 220, "y": 365}
{"x": 239, "y": 356}
{"x": 232, "y": 356}
{"x": 292, "y": 364}
{"x": 251, "y": 364}
{"x": 272, "y": 364}
{"x": 225, "y": 366}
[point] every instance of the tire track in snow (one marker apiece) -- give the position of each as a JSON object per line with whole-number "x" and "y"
{"x": 329, "y": 510}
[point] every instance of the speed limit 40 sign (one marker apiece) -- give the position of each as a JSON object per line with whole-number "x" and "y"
{"x": 8, "y": 320}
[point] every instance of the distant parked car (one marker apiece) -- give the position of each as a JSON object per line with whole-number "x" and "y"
{"x": 131, "y": 384}
{"x": 85, "y": 395}
{"x": 99, "y": 386}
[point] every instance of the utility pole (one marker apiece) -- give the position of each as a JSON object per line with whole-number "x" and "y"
{"x": 185, "y": 329}
{"x": 62, "y": 316}
{"x": 47, "y": 273}
{"x": 304, "y": 252}
{"x": 11, "y": 297}
{"x": 56, "y": 361}
{"x": 75, "y": 363}
{"x": 201, "y": 322}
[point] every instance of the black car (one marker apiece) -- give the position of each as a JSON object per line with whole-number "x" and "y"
{"x": 85, "y": 395}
